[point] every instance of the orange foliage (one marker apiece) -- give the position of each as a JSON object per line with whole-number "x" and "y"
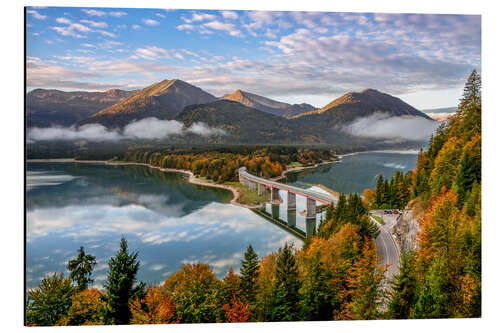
{"x": 155, "y": 308}
{"x": 237, "y": 312}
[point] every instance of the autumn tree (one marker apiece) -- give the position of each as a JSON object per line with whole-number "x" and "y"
{"x": 80, "y": 269}
{"x": 364, "y": 285}
{"x": 50, "y": 300}
{"x": 121, "y": 285}
{"x": 87, "y": 308}
{"x": 231, "y": 286}
{"x": 236, "y": 311}
{"x": 155, "y": 308}
{"x": 196, "y": 293}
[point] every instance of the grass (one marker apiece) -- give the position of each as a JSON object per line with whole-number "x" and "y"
{"x": 294, "y": 165}
{"x": 379, "y": 219}
{"x": 249, "y": 197}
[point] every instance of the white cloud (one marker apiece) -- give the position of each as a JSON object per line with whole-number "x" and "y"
{"x": 36, "y": 14}
{"x": 227, "y": 27}
{"x": 93, "y": 23}
{"x": 147, "y": 128}
{"x": 117, "y": 14}
{"x": 93, "y": 132}
{"x": 152, "y": 128}
{"x": 383, "y": 125}
{"x": 150, "y": 22}
{"x": 160, "y": 15}
{"x": 63, "y": 20}
{"x": 136, "y": 26}
{"x": 154, "y": 52}
{"x": 228, "y": 14}
{"x": 93, "y": 12}
{"x": 185, "y": 27}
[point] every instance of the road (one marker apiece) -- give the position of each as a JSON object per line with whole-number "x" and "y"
{"x": 387, "y": 250}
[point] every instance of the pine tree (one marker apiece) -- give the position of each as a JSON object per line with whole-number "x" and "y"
{"x": 81, "y": 268}
{"x": 120, "y": 283}
{"x": 285, "y": 297}
{"x": 404, "y": 288}
{"x": 249, "y": 272}
{"x": 315, "y": 298}
{"x": 379, "y": 191}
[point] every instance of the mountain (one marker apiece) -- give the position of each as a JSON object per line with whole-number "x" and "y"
{"x": 268, "y": 105}
{"x": 162, "y": 100}
{"x": 350, "y": 106}
{"x": 49, "y": 107}
{"x": 243, "y": 124}
{"x": 441, "y": 114}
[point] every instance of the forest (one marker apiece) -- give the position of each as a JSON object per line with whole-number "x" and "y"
{"x": 221, "y": 165}
{"x": 334, "y": 276}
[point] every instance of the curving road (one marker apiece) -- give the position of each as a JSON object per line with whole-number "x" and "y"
{"x": 387, "y": 250}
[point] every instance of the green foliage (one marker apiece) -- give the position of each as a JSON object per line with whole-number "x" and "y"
{"x": 249, "y": 273}
{"x": 404, "y": 288}
{"x": 49, "y": 301}
{"x": 81, "y": 268}
{"x": 285, "y": 296}
{"x": 315, "y": 297}
{"x": 121, "y": 285}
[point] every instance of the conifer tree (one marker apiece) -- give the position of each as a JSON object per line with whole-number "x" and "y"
{"x": 285, "y": 298}
{"x": 249, "y": 272}
{"x": 120, "y": 285}
{"x": 81, "y": 268}
{"x": 404, "y": 288}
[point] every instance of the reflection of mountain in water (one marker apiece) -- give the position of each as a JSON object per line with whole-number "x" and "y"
{"x": 166, "y": 193}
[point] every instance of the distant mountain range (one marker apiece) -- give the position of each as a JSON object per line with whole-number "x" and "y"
{"x": 268, "y": 105}
{"x": 45, "y": 108}
{"x": 244, "y": 117}
{"x": 163, "y": 100}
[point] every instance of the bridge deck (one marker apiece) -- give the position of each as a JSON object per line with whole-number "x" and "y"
{"x": 321, "y": 197}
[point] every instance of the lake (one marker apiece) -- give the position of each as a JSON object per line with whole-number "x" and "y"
{"x": 355, "y": 172}
{"x": 166, "y": 219}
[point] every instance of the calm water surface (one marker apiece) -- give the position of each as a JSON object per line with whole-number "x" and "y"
{"x": 356, "y": 172}
{"x": 168, "y": 220}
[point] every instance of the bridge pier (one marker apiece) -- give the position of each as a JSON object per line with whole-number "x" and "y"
{"x": 310, "y": 226}
{"x": 275, "y": 211}
{"x": 275, "y": 194}
{"x": 291, "y": 218}
{"x": 252, "y": 186}
{"x": 261, "y": 188}
{"x": 311, "y": 208}
{"x": 291, "y": 201}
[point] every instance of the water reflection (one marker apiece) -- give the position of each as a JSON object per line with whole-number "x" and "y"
{"x": 354, "y": 173}
{"x": 166, "y": 219}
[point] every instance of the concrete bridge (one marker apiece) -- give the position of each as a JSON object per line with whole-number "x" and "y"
{"x": 260, "y": 184}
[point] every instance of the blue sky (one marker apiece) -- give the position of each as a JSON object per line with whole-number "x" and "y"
{"x": 293, "y": 57}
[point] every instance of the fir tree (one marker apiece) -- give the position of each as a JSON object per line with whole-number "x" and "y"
{"x": 81, "y": 268}
{"x": 120, "y": 283}
{"x": 249, "y": 272}
{"x": 404, "y": 288}
{"x": 285, "y": 298}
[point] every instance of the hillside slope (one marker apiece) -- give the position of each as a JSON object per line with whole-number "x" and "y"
{"x": 51, "y": 107}
{"x": 268, "y": 105}
{"x": 162, "y": 100}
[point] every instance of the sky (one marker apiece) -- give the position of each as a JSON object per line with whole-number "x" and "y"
{"x": 294, "y": 57}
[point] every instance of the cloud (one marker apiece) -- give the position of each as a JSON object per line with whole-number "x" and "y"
{"x": 227, "y": 27}
{"x": 117, "y": 14}
{"x": 203, "y": 130}
{"x": 150, "y": 22}
{"x": 92, "y": 23}
{"x": 152, "y": 128}
{"x": 36, "y": 15}
{"x": 93, "y": 12}
{"x": 228, "y": 14}
{"x": 154, "y": 52}
{"x": 93, "y": 132}
{"x": 383, "y": 125}
{"x": 160, "y": 15}
{"x": 147, "y": 128}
